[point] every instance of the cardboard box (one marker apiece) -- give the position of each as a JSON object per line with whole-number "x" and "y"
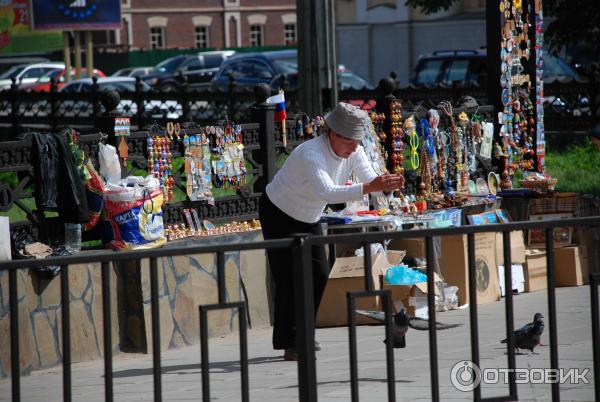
{"x": 569, "y": 266}
{"x": 347, "y": 275}
{"x": 517, "y": 247}
{"x": 395, "y": 257}
{"x": 589, "y": 241}
{"x": 454, "y": 264}
{"x": 518, "y": 279}
{"x": 534, "y": 271}
{"x": 407, "y": 294}
{"x": 415, "y": 248}
{"x": 562, "y": 235}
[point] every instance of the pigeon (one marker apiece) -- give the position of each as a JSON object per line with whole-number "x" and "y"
{"x": 529, "y": 335}
{"x": 401, "y": 323}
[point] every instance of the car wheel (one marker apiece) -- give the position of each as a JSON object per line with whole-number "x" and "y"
{"x": 169, "y": 87}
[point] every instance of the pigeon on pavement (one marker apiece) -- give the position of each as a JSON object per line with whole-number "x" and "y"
{"x": 402, "y": 322}
{"x": 529, "y": 335}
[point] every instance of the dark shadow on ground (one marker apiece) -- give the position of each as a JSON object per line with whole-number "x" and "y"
{"x": 323, "y": 383}
{"x": 215, "y": 367}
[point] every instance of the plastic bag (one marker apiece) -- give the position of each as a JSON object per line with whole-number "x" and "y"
{"x": 110, "y": 168}
{"x": 403, "y": 275}
{"x": 133, "y": 210}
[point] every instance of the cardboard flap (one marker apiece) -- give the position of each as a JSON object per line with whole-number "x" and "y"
{"x": 348, "y": 267}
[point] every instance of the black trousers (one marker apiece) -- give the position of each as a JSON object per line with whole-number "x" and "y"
{"x": 276, "y": 224}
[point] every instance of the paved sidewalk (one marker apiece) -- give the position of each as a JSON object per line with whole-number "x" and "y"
{"x": 272, "y": 379}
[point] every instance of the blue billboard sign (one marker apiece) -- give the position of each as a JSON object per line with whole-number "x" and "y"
{"x": 76, "y": 14}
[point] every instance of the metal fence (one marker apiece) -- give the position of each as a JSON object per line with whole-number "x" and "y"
{"x": 569, "y": 107}
{"x": 300, "y": 249}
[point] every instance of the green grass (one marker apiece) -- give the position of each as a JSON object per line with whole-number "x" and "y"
{"x": 577, "y": 168}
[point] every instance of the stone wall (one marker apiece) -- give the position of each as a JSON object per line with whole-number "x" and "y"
{"x": 40, "y": 339}
{"x": 185, "y": 282}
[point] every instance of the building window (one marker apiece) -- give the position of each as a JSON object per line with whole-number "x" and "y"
{"x": 157, "y": 38}
{"x": 202, "y": 38}
{"x": 289, "y": 34}
{"x": 256, "y": 35}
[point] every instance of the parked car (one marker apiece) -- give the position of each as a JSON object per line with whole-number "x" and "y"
{"x": 199, "y": 70}
{"x": 27, "y": 73}
{"x": 346, "y": 80}
{"x": 44, "y": 83}
{"x": 133, "y": 72}
{"x": 250, "y": 69}
{"x": 123, "y": 85}
{"x": 469, "y": 67}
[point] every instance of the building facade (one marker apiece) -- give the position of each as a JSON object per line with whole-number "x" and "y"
{"x": 156, "y": 24}
{"x": 377, "y": 37}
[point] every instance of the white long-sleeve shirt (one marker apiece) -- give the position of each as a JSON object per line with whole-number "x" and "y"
{"x": 314, "y": 176}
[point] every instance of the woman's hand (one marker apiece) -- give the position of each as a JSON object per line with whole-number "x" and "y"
{"x": 385, "y": 182}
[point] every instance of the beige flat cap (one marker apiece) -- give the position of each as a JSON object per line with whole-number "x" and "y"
{"x": 348, "y": 121}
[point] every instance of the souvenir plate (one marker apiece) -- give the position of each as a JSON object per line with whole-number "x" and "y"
{"x": 493, "y": 182}
{"x": 482, "y": 187}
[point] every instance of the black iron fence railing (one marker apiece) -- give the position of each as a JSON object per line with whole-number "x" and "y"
{"x": 300, "y": 248}
{"x": 569, "y": 107}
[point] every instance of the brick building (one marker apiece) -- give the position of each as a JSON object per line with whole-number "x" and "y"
{"x": 160, "y": 24}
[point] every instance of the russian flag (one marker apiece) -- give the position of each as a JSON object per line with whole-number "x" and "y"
{"x": 279, "y": 102}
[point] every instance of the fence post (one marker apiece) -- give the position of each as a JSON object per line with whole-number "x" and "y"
{"x": 95, "y": 97}
{"x": 263, "y": 113}
{"x": 186, "y": 106}
{"x": 139, "y": 101}
{"x": 53, "y": 104}
{"x": 386, "y": 88}
{"x": 231, "y": 94}
{"x": 14, "y": 106}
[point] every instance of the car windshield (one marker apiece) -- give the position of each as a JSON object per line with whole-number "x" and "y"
{"x": 52, "y": 74}
{"x": 351, "y": 80}
{"x": 428, "y": 72}
{"x": 12, "y": 73}
{"x": 285, "y": 66}
{"x": 555, "y": 67}
{"x": 170, "y": 65}
{"x": 124, "y": 72}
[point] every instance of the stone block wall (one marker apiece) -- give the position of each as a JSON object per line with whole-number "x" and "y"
{"x": 40, "y": 320}
{"x": 185, "y": 282}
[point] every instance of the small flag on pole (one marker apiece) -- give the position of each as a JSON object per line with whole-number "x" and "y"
{"x": 280, "y": 113}
{"x": 279, "y": 102}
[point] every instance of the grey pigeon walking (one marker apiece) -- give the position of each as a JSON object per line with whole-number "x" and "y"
{"x": 402, "y": 322}
{"x": 529, "y": 335}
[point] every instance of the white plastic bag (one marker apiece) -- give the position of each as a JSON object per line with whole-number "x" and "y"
{"x": 110, "y": 167}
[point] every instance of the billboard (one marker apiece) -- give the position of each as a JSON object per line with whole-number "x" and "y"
{"x": 16, "y": 35}
{"x": 75, "y": 14}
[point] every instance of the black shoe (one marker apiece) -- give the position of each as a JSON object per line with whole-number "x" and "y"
{"x": 290, "y": 354}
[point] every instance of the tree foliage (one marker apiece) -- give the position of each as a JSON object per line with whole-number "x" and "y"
{"x": 568, "y": 21}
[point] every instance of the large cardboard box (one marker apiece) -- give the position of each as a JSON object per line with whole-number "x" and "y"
{"x": 454, "y": 264}
{"x": 414, "y": 247}
{"x": 535, "y": 272}
{"x": 347, "y": 275}
{"x": 570, "y": 266}
{"x": 517, "y": 247}
{"x": 589, "y": 241}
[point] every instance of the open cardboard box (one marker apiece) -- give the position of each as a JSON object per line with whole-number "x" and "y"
{"x": 348, "y": 275}
{"x": 407, "y": 294}
{"x": 454, "y": 264}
